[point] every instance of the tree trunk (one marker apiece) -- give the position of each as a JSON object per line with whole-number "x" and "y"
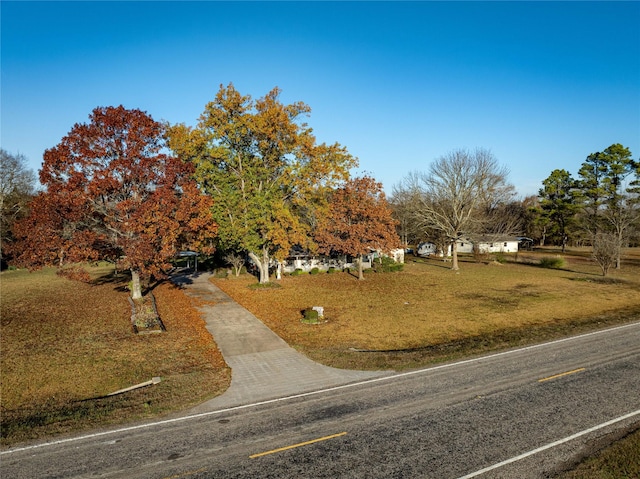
{"x": 454, "y": 256}
{"x": 360, "y": 271}
{"x": 619, "y": 250}
{"x": 136, "y": 290}
{"x": 262, "y": 264}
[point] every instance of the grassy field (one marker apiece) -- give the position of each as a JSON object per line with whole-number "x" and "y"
{"x": 429, "y": 313}
{"x": 67, "y": 344}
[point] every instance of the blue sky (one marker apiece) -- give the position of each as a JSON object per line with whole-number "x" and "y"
{"x": 541, "y": 84}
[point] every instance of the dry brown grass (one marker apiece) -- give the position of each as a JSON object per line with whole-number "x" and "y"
{"x": 66, "y": 344}
{"x": 432, "y": 310}
{"x": 614, "y": 457}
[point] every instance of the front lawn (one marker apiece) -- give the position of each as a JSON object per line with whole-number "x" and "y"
{"x": 67, "y": 344}
{"x": 428, "y": 313}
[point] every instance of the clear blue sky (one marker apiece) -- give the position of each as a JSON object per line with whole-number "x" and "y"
{"x": 541, "y": 84}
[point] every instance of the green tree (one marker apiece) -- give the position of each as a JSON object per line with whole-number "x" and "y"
{"x": 263, "y": 168}
{"x": 591, "y": 190}
{"x": 534, "y": 225}
{"x": 558, "y": 203}
{"x": 606, "y": 193}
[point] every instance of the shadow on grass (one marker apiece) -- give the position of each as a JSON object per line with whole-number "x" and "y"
{"x": 421, "y": 356}
{"x": 532, "y": 264}
{"x": 119, "y": 279}
{"x": 31, "y": 423}
{"x": 182, "y": 277}
{"x": 434, "y": 263}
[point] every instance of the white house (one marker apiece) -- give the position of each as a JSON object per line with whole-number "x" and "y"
{"x": 465, "y": 245}
{"x": 428, "y": 248}
{"x": 306, "y": 262}
{"x": 299, "y": 259}
{"x": 489, "y": 245}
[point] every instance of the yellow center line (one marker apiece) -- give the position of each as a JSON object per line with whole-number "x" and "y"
{"x": 297, "y": 445}
{"x": 561, "y": 374}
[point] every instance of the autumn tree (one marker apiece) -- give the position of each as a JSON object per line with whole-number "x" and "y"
{"x": 264, "y": 170}
{"x": 359, "y": 220}
{"x": 558, "y": 203}
{"x": 112, "y": 193}
{"x": 458, "y": 193}
{"x": 16, "y": 190}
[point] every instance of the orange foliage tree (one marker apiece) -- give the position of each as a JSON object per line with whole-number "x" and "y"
{"x": 359, "y": 220}
{"x": 264, "y": 169}
{"x": 111, "y": 193}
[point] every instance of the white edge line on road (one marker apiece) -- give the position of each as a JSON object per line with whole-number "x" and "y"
{"x": 312, "y": 393}
{"x": 550, "y": 445}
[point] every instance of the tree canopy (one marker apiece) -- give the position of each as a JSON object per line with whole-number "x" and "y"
{"x": 459, "y": 194}
{"x": 16, "y": 190}
{"x": 112, "y": 193}
{"x": 558, "y": 203}
{"x": 608, "y": 197}
{"x": 601, "y": 182}
{"x": 359, "y": 221}
{"x": 264, "y": 170}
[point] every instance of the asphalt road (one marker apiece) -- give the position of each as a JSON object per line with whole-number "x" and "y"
{"x": 520, "y": 414}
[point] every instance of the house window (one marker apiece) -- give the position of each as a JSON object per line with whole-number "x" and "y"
{"x": 505, "y": 243}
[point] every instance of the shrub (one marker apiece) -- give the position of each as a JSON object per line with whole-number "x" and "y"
{"x": 220, "y": 273}
{"x": 314, "y": 271}
{"x": 331, "y": 270}
{"x": 479, "y": 255}
{"x": 500, "y": 258}
{"x": 387, "y": 265}
{"x": 310, "y": 314}
{"x": 555, "y": 262}
{"x": 297, "y": 272}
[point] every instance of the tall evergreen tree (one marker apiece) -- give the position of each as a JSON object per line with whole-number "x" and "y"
{"x": 558, "y": 203}
{"x": 605, "y": 190}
